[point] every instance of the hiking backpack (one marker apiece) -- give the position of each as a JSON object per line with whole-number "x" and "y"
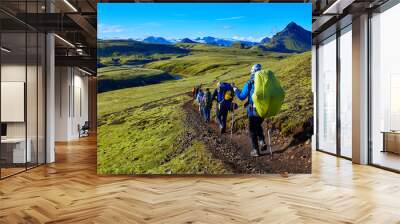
{"x": 207, "y": 99}
{"x": 268, "y": 94}
{"x": 225, "y": 92}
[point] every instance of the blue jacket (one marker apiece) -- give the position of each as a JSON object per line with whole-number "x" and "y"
{"x": 247, "y": 92}
{"x": 199, "y": 97}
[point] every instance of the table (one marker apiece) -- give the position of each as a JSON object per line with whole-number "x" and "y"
{"x": 13, "y": 150}
{"x": 391, "y": 141}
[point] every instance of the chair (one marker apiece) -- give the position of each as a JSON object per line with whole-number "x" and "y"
{"x": 84, "y": 130}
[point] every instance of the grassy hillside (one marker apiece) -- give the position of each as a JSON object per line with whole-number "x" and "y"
{"x": 140, "y": 140}
{"x": 135, "y": 124}
{"x": 294, "y": 73}
{"x": 119, "y": 77}
{"x": 107, "y": 48}
{"x": 131, "y": 52}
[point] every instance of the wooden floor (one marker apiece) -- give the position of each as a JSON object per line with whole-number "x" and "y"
{"x": 5, "y": 172}
{"x": 387, "y": 159}
{"x": 69, "y": 191}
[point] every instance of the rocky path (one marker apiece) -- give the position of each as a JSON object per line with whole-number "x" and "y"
{"x": 235, "y": 151}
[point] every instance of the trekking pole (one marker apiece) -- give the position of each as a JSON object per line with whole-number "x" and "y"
{"x": 269, "y": 141}
{"x": 233, "y": 118}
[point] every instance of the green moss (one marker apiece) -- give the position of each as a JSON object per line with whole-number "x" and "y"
{"x": 140, "y": 140}
{"x": 200, "y": 160}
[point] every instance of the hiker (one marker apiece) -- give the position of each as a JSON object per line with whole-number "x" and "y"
{"x": 195, "y": 91}
{"x": 200, "y": 101}
{"x": 224, "y": 96}
{"x": 255, "y": 121}
{"x": 207, "y": 99}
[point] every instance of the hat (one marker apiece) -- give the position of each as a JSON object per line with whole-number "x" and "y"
{"x": 255, "y": 68}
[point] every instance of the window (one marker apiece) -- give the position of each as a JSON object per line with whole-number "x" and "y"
{"x": 346, "y": 92}
{"x": 22, "y": 77}
{"x": 385, "y": 89}
{"x": 327, "y": 95}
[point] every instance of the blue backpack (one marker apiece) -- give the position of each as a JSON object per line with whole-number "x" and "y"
{"x": 225, "y": 93}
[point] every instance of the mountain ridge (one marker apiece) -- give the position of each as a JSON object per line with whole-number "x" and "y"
{"x": 292, "y": 39}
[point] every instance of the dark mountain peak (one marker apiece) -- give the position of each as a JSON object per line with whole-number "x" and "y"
{"x": 156, "y": 40}
{"x": 187, "y": 40}
{"x": 265, "y": 40}
{"x": 293, "y": 38}
{"x": 207, "y": 38}
{"x": 292, "y": 25}
{"x": 151, "y": 38}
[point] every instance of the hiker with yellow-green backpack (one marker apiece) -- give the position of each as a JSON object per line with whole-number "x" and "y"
{"x": 265, "y": 97}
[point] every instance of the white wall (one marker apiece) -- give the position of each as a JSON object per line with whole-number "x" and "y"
{"x": 71, "y": 102}
{"x": 62, "y": 81}
{"x": 16, "y": 73}
{"x": 12, "y": 73}
{"x": 80, "y": 110}
{"x": 33, "y": 126}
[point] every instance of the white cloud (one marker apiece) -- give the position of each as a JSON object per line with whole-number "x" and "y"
{"x": 109, "y": 29}
{"x": 249, "y": 38}
{"x": 230, "y": 18}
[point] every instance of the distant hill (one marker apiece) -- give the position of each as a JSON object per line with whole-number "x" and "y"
{"x": 214, "y": 41}
{"x": 248, "y": 43}
{"x": 223, "y": 42}
{"x": 106, "y": 48}
{"x": 293, "y": 38}
{"x": 156, "y": 40}
{"x": 265, "y": 40}
{"x": 187, "y": 41}
{"x": 120, "y": 77}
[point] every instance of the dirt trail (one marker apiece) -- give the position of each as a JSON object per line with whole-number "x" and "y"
{"x": 235, "y": 152}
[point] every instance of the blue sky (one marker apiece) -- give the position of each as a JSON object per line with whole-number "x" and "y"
{"x": 242, "y": 21}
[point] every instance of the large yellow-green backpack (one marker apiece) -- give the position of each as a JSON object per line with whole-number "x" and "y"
{"x": 268, "y": 94}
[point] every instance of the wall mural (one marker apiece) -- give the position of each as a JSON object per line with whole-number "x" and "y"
{"x": 204, "y": 88}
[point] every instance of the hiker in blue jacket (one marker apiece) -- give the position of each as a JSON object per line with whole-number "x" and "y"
{"x": 255, "y": 121}
{"x": 199, "y": 99}
{"x": 207, "y": 99}
{"x": 224, "y": 96}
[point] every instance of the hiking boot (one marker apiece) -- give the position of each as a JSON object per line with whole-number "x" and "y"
{"x": 262, "y": 144}
{"x": 254, "y": 153}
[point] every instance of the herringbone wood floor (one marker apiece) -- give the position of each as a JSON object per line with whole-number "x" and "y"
{"x": 69, "y": 191}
